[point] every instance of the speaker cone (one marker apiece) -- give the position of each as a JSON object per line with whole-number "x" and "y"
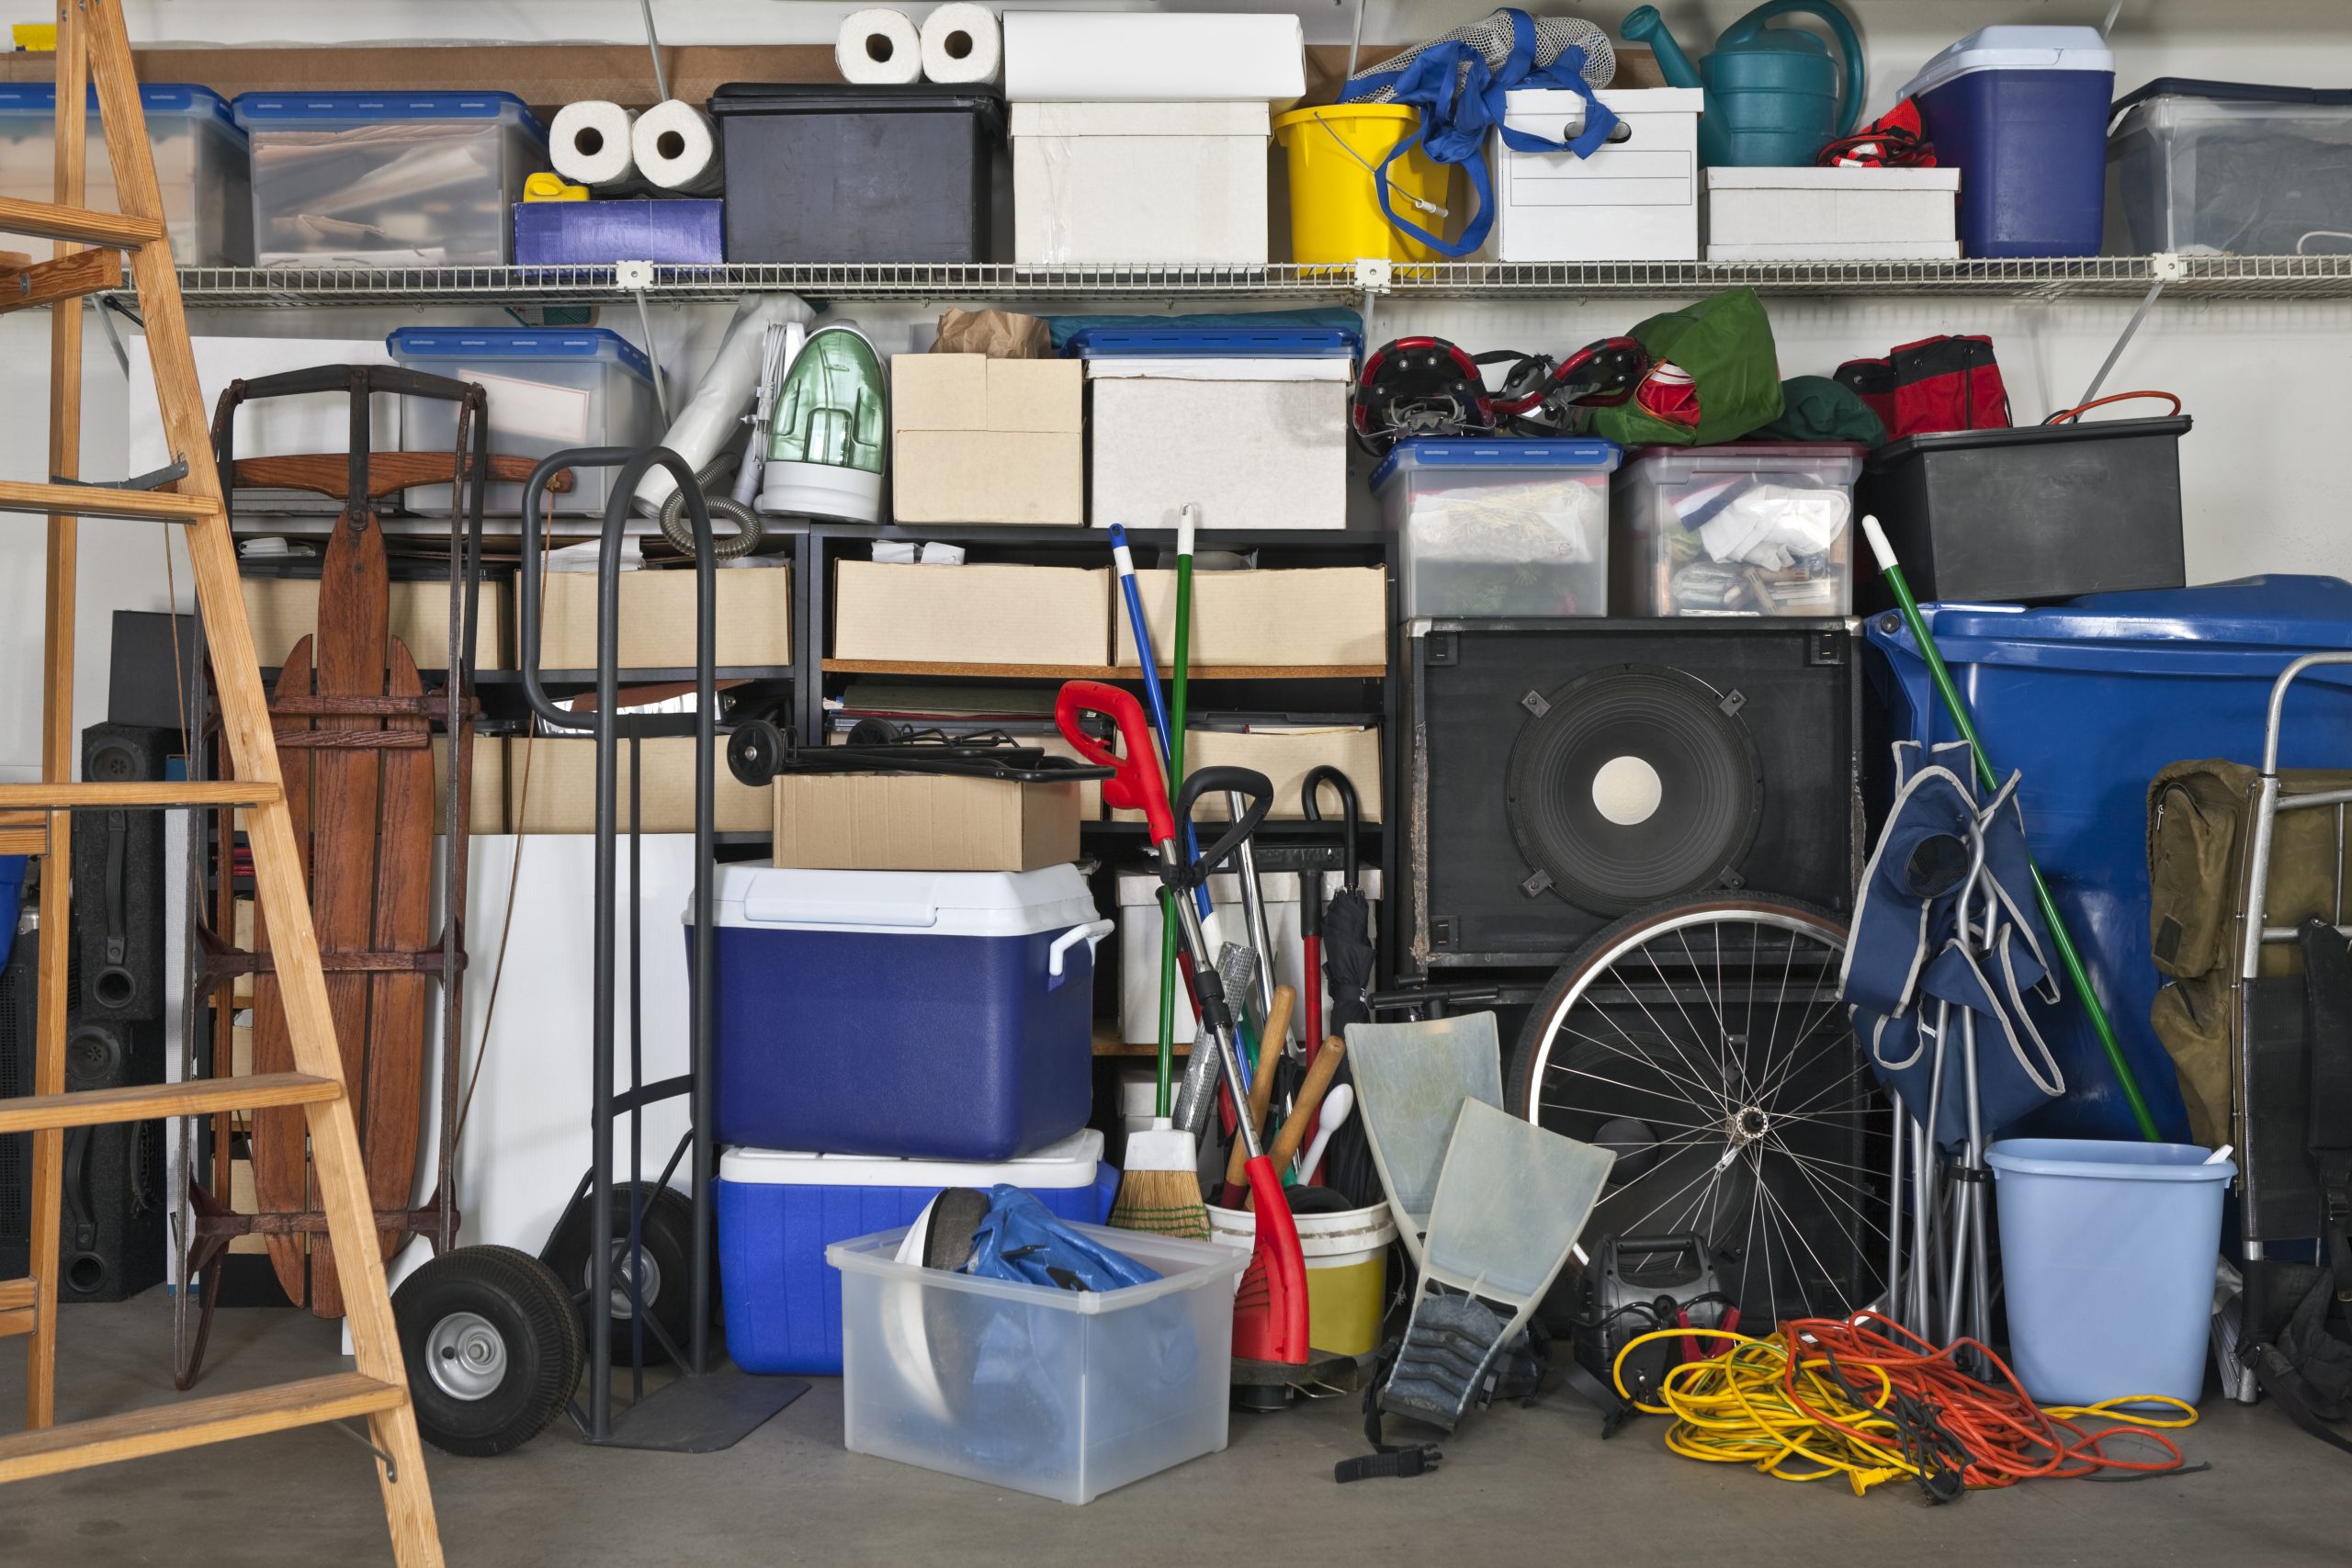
{"x": 1633, "y": 785}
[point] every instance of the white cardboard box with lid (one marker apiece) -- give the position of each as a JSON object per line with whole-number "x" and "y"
{"x": 1849, "y": 214}
{"x": 1637, "y": 199}
{"x": 1140, "y": 182}
{"x": 1254, "y": 442}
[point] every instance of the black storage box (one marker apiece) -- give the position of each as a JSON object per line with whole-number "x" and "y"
{"x": 821, "y": 172}
{"x": 2046, "y": 512}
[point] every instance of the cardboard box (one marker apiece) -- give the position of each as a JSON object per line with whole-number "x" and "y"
{"x": 547, "y": 784}
{"x": 980, "y": 440}
{"x": 922, "y": 822}
{"x": 972, "y": 615}
{"x": 1311, "y": 615}
{"x": 657, "y": 624}
{"x": 1286, "y": 754}
{"x": 1254, "y": 442}
{"x": 1140, "y": 182}
{"x": 282, "y": 611}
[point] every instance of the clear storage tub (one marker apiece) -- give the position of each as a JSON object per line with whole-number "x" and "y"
{"x": 2230, "y": 167}
{"x": 201, "y": 164}
{"x": 1500, "y": 528}
{"x": 387, "y": 179}
{"x": 587, "y": 387}
{"x": 1756, "y": 528}
{"x": 1066, "y": 1395}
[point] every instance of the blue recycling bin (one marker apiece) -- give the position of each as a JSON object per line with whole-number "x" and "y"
{"x": 2087, "y": 700}
{"x": 12, "y": 890}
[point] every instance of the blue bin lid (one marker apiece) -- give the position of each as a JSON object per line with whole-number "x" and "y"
{"x": 2246, "y": 627}
{"x": 1473, "y": 453}
{"x": 576, "y": 343}
{"x": 2234, "y": 91}
{"x": 297, "y": 108}
{"x": 1213, "y": 342}
{"x": 155, "y": 97}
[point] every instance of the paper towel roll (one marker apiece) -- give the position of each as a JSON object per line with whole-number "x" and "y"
{"x": 677, "y": 149}
{"x": 878, "y": 49}
{"x": 962, "y": 43}
{"x": 589, "y": 143}
{"x": 1142, "y": 56}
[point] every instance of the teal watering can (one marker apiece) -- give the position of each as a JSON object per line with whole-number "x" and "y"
{"x": 1773, "y": 96}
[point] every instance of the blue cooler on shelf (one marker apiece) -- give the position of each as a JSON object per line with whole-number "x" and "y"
{"x": 2021, "y": 112}
{"x": 918, "y": 1014}
{"x": 2087, "y": 700}
{"x": 778, "y": 1212}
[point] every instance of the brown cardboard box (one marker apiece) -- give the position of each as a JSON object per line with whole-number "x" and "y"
{"x": 547, "y": 784}
{"x": 486, "y": 780}
{"x": 922, "y": 822}
{"x": 1311, "y": 615}
{"x": 753, "y": 628}
{"x": 283, "y": 610}
{"x": 980, "y": 440}
{"x": 972, "y": 615}
{"x": 1285, "y": 756}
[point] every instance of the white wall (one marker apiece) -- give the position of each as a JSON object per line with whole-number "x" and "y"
{"x": 2261, "y": 471}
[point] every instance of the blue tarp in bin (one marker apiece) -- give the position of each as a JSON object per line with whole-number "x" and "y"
{"x": 11, "y": 889}
{"x": 2087, "y": 700}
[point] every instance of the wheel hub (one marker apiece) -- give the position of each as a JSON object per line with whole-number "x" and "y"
{"x": 1747, "y": 1124}
{"x": 466, "y": 1356}
{"x": 648, "y": 1278}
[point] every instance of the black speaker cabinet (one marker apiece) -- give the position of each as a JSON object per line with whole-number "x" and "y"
{"x": 1560, "y": 773}
{"x": 118, "y": 877}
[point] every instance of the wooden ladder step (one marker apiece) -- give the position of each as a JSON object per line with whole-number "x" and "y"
{"x": 144, "y": 1102}
{"x": 23, "y": 832}
{"x": 217, "y": 1419}
{"x": 181, "y": 793}
{"x": 47, "y": 221}
{"x": 103, "y": 500}
{"x": 67, "y": 278}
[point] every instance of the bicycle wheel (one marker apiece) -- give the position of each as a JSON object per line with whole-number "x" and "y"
{"x": 1705, "y": 1043}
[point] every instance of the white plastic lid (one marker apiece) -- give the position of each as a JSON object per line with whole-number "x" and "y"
{"x": 2015, "y": 48}
{"x": 919, "y": 903}
{"x": 1057, "y": 1166}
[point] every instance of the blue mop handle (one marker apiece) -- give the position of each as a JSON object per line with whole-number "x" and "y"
{"x": 1153, "y": 697}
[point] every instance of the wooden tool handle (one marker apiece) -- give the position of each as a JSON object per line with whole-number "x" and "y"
{"x": 329, "y": 473}
{"x": 1309, "y": 1106}
{"x": 1261, "y": 1087}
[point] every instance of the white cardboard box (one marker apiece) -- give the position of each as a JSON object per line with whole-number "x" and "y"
{"x": 1635, "y": 199}
{"x": 1139, "y": 943}
{"x": 1854, "y": 214}
{"x": 1254, "y": 442}
{"x": 1140, "y": 182}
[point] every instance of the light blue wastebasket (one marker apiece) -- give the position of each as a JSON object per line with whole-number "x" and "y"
{"x": 2107, "y": 1264}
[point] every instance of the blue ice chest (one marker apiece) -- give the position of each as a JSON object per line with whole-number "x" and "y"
{"x": 2021, "y": 112}
{"x": 918, "y": 1014}
{"x": 778, "y": 1212}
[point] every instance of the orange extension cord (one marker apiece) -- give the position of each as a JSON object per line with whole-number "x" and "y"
{"x": 1868, "y": 1399}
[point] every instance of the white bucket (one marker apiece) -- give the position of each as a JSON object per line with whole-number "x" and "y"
{"x": 1347, "y": 1271}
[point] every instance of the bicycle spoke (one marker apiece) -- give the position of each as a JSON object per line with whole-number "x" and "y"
{"x": 1635, "y": 1057}
{"x": 1632, "y": 995}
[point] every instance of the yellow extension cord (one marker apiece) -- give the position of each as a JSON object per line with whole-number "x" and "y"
{"x": 1735, "y": 1408}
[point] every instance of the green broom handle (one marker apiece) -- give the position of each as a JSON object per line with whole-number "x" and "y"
{"x": 1180, "y": 655}
{"x": 2068, "y": 956}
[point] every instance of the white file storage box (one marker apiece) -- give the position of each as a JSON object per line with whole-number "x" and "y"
{"x": 1637, "y": 199}
{"x": 1828, "y": 214}
{"x": 1143, "y": 182}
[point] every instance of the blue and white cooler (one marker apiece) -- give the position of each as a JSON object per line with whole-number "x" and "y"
{"x": 910, "y": 1014}
{"x": 778, "y": 1212}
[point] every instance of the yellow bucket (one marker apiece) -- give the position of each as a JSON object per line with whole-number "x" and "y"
{"x": 1333, "y": 151}
{"x": 1347, "y": 1271}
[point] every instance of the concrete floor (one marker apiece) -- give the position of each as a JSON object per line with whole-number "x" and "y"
{"x": 1518, "y": 1486}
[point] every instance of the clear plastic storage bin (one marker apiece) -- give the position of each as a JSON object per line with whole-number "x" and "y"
{"x": 387, "y": 179}
{"x": 1752, "y": 529}
{"x": 200, "y": 163}
{"x": 2230, "y": 167}
{"x": 1499, "y": 527}
{"x": 1066, "y": 1395}
{"x": 547, "y": 390}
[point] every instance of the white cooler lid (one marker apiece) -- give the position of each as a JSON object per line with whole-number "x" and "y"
{"x": 1070, "y": 1163}
{"x": 913, "y": 903}
{"x": 2015, "y": 48}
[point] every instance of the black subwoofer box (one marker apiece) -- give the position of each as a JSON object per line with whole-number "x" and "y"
{"x": 1557, "y": 774}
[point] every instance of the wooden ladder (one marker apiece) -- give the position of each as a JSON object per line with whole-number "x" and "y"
{"x": 92, "y": 47}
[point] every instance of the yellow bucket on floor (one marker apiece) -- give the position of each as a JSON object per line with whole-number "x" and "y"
{"x": 1347, "y": 1271}
{"x": 1333, "y": 151}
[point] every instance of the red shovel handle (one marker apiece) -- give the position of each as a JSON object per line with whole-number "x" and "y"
{"x": 1139, "y": 784}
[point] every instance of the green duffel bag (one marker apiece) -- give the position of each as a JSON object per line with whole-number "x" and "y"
{"x": 1714, "y": 376}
